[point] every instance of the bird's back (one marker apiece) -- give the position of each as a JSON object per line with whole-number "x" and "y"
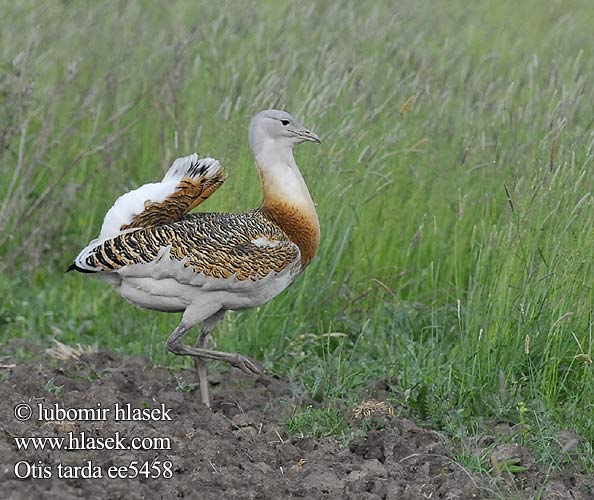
{"x": 246, "y": 246}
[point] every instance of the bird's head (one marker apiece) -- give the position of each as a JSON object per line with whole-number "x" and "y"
{"x": 280, "y": 128}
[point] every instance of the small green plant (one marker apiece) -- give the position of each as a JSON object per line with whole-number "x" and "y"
{"x": 183, "y": 386}
{"x": 471, "y": 461}
{"x": 523, "y": 417}
{"x": 317, "y": 422}
{"x": 511, "y": 466}
{"x": 50, "y": 386}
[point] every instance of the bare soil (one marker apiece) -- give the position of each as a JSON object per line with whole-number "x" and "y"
{"x": 238, "y": 450}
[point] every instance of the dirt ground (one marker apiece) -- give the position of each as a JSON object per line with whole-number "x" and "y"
{"x": 239, "y": 450}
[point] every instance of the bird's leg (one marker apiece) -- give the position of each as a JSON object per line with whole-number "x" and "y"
{"x": 201, "y": 343}
{"x": 200, "y": 365}
{"x": 175, "y": 344}
{"x": 245, "y": 364}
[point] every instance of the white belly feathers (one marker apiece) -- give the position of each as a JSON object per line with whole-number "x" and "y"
{"x": 167, "y": 285}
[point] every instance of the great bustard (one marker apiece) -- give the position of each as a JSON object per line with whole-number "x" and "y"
{"x": 202, "y": 264}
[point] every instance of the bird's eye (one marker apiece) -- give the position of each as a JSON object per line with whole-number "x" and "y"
{"x": 285, "y": 122}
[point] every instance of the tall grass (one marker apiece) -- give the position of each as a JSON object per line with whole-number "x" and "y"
{"x": 453, "y": 185}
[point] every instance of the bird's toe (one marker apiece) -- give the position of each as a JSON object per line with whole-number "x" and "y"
{"x": 246, "y": 365}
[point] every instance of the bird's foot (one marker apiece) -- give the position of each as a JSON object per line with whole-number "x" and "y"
{"x": 246, "y": 365}
{"x": 239, "y": 361}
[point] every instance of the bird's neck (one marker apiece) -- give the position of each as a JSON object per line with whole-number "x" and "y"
{"x": 287, "y": 201}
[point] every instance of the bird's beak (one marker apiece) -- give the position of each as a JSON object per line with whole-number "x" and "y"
{"x": 308, "y": 135}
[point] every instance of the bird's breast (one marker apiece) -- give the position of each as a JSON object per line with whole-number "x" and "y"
{"x": 299, "y": 222}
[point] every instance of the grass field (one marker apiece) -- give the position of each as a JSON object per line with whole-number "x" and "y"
{"x": 453, "y": 186}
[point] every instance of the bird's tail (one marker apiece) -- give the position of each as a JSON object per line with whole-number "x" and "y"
{"x": 188, "y": 182}
{"x": 74, "y": 267}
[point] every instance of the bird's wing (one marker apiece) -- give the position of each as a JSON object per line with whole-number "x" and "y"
{"x": 242, "y": 246}
{"x": 188, "y": 182}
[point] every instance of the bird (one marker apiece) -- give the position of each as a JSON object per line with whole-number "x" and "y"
{"x": 160, "y": 256}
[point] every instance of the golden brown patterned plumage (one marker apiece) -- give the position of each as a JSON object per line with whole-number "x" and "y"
{"x": 160, "y": 257}
{"x": 188, "y": 194}
{"x": 217, "y": 245}
{"x": 299, "y": 227}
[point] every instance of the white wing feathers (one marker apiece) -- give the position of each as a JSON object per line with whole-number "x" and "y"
{"x": 127, "y": 206}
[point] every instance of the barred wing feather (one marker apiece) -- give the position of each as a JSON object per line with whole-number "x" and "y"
{"x": 241, "y": 246}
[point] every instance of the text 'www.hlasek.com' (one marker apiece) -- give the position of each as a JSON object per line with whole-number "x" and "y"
{"x": 67, "y": 438}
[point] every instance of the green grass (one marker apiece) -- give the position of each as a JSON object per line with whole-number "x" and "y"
{"x": 457, "y": 229}
{"x": 318, "y": 422}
